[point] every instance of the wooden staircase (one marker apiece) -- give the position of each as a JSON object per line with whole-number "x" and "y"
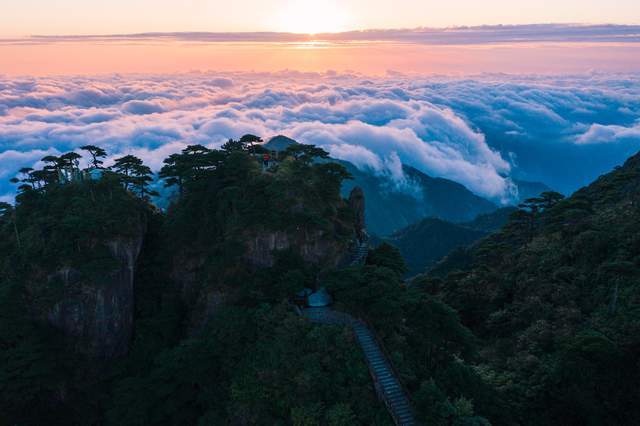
{"x": 387, "y": 384}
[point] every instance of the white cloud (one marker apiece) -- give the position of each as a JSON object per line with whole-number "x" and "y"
{"x": 141, "y": 107}
{"x": 468, "y": 130}
{"x": 598, "y": 134}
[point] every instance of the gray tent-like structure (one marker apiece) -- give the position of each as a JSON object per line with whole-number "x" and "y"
{"x": 319, "y": 299}
{"x": 314, "y": 299}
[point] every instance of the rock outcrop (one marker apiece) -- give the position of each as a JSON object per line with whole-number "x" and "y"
{"x": 97, "y": 315}
{"x": 357, "y": 205}
{"x": 313, "y": 246}
{"x": 202, "y": 300}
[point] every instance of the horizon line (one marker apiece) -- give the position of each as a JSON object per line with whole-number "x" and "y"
{"x": 452, "y": 35}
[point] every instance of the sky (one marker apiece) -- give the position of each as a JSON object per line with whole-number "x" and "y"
{"x": 461, "y": 37}
{"x": 29, "y": 17}
{"x": 482, "y": 93}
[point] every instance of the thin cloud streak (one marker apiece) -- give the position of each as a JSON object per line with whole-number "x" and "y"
{"x": 507, "y": 34}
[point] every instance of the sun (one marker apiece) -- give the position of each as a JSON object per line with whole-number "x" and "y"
{"x": 312, "y": 17}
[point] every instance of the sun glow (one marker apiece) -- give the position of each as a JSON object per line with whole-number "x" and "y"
{"x": 313, "y": 17}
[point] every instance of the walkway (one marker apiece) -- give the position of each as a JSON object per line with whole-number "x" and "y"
{"x": 360, "y": 252}
{"x": 387, "y": 384}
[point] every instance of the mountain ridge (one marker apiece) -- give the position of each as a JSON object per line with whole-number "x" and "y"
{"x": 426, "y": 242}
{"x": 554, "y": 298}
{"x": 392, "y": 206}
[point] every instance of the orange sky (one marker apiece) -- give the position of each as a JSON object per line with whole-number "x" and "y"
{"x": 28, "y": 17}
{"x": 367, "y": 58}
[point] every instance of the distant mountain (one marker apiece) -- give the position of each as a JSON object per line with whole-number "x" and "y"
{"x": 391, "y": 208}
{"x": 279, "y": 143}
{"x": 424, "y": 243}
{"x": 530, "y": 189}
{"x": 491, "y": 222}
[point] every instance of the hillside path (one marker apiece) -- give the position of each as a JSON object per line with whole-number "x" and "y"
{"x": 386, "y": 382}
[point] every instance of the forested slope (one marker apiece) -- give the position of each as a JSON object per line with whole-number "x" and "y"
{"x": 555, "y": 299}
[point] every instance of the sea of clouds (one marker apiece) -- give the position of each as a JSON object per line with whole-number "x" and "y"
{"x": 480, "y": 131}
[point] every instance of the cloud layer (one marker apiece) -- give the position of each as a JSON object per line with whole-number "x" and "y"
{"x": 432, "y": 36}
{"x": 478, "y": 131}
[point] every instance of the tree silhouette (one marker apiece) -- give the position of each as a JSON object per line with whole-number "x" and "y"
{"x": 142, "y": 177}
{"x": 126, "y": 168}
{"x": 232, "y": 145}
{"x": 174, "y": 171}
{"x": 193, "y": 163}
{"x": 134, "y": 175}
{"x": 70, "y": 165}
{"x": 252, "y": 144}
{"x": 25, "y": 179}
{"x": 305, "y": 153}
{"x": 531, "y": 209}
{"x": 96, "y": 154}
{"x": 52, "y": 168}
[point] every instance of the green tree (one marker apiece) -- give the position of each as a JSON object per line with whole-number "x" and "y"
{"x": 142, "y": 178}
{"x": 194, "y": 163}
{"x": 25, "y": 180}
{"x": 305, "y": 153}
{"x": 30, "y": 366}
{"x": 233, "y": 145}
{"x": 70, "y": 165}
{"x": 125, "y": 166}
{"x": 8, "y": 214}
{"x": 97, "y": 154}
{"x": 252, "y": 143}
{"x": 52, "y": 169}
{"x": 388, "y": 256}
{"x": 132, "y": 172}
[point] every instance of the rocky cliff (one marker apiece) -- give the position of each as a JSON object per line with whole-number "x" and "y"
{"x": 205, "y": 285}
{"x": 357, "y": 205}
{"x": 204, "y": 294}
{"x": 315, "y": 247}
{"x": 96, "y": 313}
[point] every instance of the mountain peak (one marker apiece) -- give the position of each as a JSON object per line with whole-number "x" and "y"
{"x": 279, "y": 143}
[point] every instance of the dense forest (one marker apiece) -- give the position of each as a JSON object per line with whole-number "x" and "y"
{"x": 554, "y": 302}
{"x": 115, "y": 312}
{"x": 426, "y": 242}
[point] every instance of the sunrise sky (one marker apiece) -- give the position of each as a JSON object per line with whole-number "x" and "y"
{"x": 469, "y": 90}
{"x": 28, "y": 17}
{"x": 39, "y": 37}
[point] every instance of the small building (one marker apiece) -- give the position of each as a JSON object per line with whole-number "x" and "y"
{"x": 269, "y": 160}
{"x": 319, "y": 299}
{"x": 313, "y": 299}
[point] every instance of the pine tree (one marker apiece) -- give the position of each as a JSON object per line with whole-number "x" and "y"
{"x": 96, "y": 154}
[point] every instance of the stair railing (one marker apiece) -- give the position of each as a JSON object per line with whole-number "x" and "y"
{"x": 394, "y": 371}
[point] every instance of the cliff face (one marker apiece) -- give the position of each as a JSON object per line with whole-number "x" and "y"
{"x": 327, "y": 247}
{"x": 97, "y": 317}
{"x": 357, "y": 205}
{"x": 313, "y": 246}
{"x": 201, "y": 300}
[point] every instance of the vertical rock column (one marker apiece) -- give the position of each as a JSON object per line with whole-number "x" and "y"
{"x": 357, "y": 204}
